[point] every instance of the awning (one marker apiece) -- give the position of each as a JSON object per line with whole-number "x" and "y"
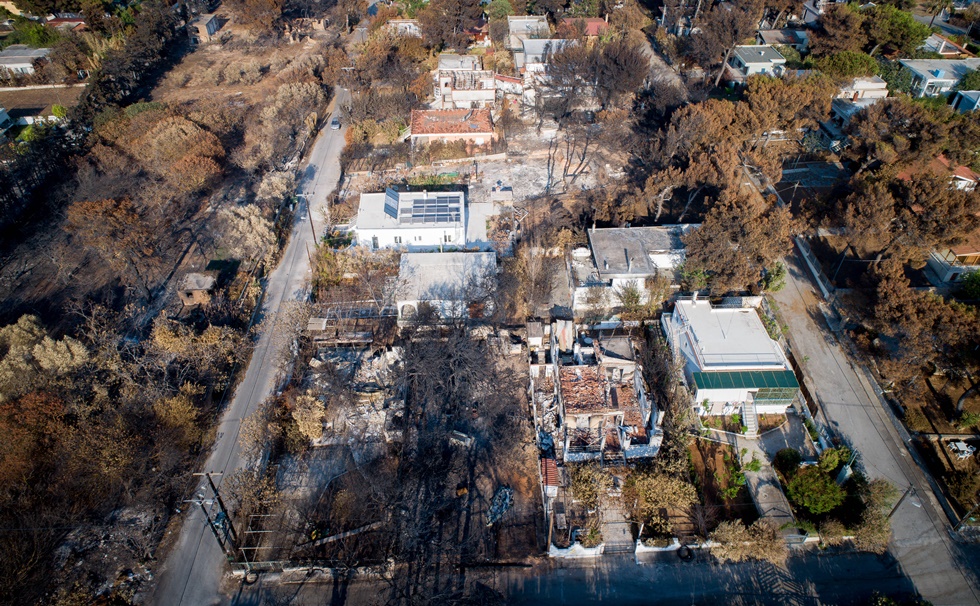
{"x": 748, "y": 379}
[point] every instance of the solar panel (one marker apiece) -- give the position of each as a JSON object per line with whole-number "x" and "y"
{"x": 391, "y": 203}
{"x": 435, "y": 209}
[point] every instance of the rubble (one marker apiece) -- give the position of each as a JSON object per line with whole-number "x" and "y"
{"x": 502, "y": 501}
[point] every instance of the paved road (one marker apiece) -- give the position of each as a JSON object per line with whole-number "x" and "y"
{"x": 810, "y": 580}
{"x": 192, "y": 572}
{"x": 947, "y": 29}
{"x": 940, "y": 568}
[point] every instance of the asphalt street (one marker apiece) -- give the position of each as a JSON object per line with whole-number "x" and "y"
{"x": 943, "y": 570}
{"x": 816, "y": 578}
{"x": 192, "y": 573}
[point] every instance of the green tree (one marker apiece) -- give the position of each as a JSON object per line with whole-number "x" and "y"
{"x": 936, "y": 7}
{"x": 898, "y": 78}
{"x": 887, "y": 25}
{"x": 847, "y": 64}
{"x": 499, "y": 9}
{"x": 774, "y": 278}
{"x": 832, "y": 458}
{"x": 840, "y": 29}
{"x": 971, "y": 81}
{"x": 630, "y": 299}
{"x": 971, "y": 285}
{"x": 813, "y": 489}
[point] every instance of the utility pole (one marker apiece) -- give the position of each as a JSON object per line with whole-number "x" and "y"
{"x": 907, "y": 492}
{"x": 968, "y": 516}
{"x": 220, "y": 522}
{"x": 309, "y": 213}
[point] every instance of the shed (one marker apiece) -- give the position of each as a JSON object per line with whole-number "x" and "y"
{"x": 195, "y": 289}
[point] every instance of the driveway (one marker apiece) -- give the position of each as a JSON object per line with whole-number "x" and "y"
{"x": 192, "y": 573}
{"x": 940, "y": 567}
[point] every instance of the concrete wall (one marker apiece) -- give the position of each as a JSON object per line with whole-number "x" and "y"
{"x": 414, "y": 238}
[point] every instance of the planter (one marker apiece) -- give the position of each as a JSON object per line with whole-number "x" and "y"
{"x": 673, "y": 545}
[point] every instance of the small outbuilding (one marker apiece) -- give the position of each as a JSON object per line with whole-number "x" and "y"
{"x": 196, "y": 289}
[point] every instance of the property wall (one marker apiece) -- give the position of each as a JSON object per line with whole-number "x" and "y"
{"x": 475, "y": 139}
{"x": 771, "y": 409}
{"x": 413, "y": 238}
{"x": 446, "y": 310}
{"x": 18, "y": 68}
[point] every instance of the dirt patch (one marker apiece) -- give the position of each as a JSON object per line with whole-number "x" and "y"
{"x": 770, "y": 422}
{"x": 934, "y": 409}
{"x": 714, "y": 469}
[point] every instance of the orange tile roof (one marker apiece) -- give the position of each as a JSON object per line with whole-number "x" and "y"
{"x": 451, "y": 122}
{"x": 508, "y": 78}
{"x": 969, "y": 247}
{"x": 940, "y": 166}
{"x": 593, "y": 25}
{"x": 549, "y": 472}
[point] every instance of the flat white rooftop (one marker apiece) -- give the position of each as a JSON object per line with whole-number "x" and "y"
{"x": 393, "y": 209}
{"x": 443, "y": 276}
{"x": 728, "y": 337}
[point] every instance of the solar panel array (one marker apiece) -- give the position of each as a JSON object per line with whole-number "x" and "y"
{"x": 391, "y": 203}
{"x": 431, "y": 209}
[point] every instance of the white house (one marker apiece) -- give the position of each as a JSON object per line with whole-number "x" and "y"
{"x": 534, "y": 54}
{"x": 942, "y": 45}
{"x": 814, "y": 8}
{"x": 462, "y": 83}
{"x": 520, "y": 28}
{"x": 871, "y": 87}
{"x": 457, "y": 285}
{"x": 966, "y": 101}
{"x": 730, "y": 362}
{"x": 404, "y": 27}
{"x": 19, "y": 59}
{"x": 953, "y": 264}
{"x": 618, "y": 257}
{"x": 761, "y": 59}
{"x": 472, "y": 126}
{"x": 411, "y": 220}
{"x": 798, "y": 39}
{"x": 934, "y": 77}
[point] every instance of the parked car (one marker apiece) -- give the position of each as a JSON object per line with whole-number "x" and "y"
{"x": 335, "y": 124}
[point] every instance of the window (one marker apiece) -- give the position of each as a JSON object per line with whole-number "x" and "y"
{"x": 374, "y": 242}
{"x": 447, "y": 238}
{"x": 418, "y": 238}
{"x": 398, "y": 239}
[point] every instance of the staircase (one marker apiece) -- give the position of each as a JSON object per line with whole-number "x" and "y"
{"x": 750, "y": 418}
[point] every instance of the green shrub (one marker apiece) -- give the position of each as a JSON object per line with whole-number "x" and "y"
{"x": 787, "y": 461}
{"x": 968, "y": 419}
{"x": 814, "y": 490}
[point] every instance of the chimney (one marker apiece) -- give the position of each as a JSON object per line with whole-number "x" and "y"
{"x": 694, "y": 299}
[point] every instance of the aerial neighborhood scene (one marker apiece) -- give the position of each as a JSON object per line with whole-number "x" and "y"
{"x": 486, "y": 302}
